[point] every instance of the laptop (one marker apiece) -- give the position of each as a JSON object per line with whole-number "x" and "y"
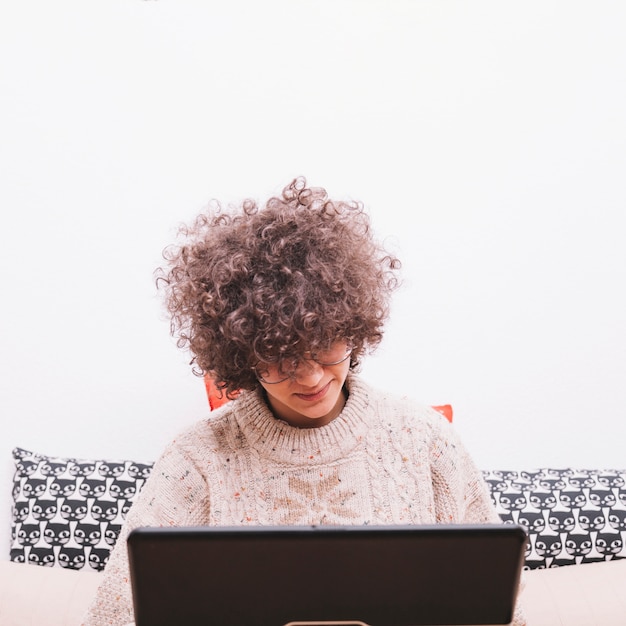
{"x": 326, "y": 575}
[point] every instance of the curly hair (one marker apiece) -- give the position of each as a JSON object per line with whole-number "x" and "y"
{"x": 248, "y": 285}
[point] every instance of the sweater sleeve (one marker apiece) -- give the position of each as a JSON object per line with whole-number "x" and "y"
{"x": 461, "y": 493}
{"x": 175, "y": 495}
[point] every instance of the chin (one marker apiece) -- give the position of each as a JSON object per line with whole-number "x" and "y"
{"x": 324, "y": 412}
{"x": 316, "y": 415}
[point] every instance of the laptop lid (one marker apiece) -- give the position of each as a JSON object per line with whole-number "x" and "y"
{"x": 373, "y": 575}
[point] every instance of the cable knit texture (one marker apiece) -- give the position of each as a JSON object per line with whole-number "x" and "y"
{"x": 383, "y": 460}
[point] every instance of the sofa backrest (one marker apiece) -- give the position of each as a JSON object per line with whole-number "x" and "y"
{"x": 68, "y": 512}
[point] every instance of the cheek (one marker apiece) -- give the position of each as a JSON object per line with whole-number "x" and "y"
{"x": 276, "y": 393}
{"x": 343, "y": 370}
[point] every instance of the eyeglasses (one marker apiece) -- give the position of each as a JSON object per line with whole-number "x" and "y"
{"x": 274, "y": 373}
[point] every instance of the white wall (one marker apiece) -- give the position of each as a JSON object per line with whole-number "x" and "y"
{"x": 488, "y": 140}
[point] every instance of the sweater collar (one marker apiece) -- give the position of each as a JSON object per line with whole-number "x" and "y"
{"x": 275, "y": 439}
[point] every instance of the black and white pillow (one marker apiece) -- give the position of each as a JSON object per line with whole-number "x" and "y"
{"x": 68, "y": 512}
{"x": 572, "y": 516}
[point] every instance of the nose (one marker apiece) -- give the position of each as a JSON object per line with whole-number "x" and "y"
{"x": 309, "y": 373}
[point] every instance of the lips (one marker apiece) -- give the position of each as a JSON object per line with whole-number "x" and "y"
{"x": 313, "y": 397}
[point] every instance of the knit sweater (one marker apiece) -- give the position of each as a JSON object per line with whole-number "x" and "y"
{"x": 383, "y": 460}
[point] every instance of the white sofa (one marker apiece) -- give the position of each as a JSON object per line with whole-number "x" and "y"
{"x": 44, "y": 596}
{"x": 593, "y": 594}
{"x": 576, "y": 570}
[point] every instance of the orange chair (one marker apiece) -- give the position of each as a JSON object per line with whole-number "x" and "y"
{"x": 217, "y": 398}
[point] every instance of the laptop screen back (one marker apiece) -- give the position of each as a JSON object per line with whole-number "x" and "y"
{"x": 271, "y": 576}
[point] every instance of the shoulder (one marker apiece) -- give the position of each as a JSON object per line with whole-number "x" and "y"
{"x": 396, "y": 407}
{"x": 202, "y": 440}
{"x": 400, "y": 414}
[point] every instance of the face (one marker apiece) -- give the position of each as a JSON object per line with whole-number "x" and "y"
{"x": 313, "y": 395}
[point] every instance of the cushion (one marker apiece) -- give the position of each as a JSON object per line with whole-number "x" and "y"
{"x": 572, "y": 516}
{"x": 68, "y": 512}
{"x": 45, "y": 596}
